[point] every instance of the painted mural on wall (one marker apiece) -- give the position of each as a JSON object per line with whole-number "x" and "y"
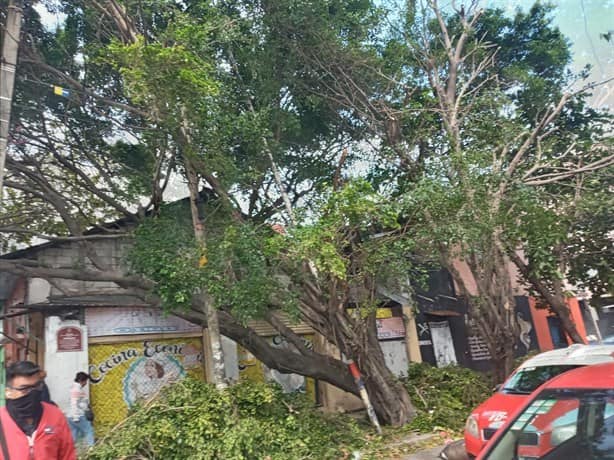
{"x": 527, "y": 338}
{"x": 124, "y": 374}
{"x": 252, "y": 369}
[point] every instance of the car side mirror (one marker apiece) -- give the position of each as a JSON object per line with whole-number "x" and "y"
{"x": 497, "y": 388}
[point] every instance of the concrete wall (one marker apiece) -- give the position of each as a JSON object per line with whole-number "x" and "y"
{"x": 518, "y": 287}
{"x": 542, "y": 328}
{"x": 62, "y": 367}
{"x": 111, "y": 253}
{"x": 395, "y": 354}
{"x": 38, "y": 290}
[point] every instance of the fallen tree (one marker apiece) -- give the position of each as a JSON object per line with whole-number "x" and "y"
{"x": 176, "y": 105}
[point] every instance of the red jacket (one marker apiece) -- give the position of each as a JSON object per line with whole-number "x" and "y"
{"x": 52, "y": 439}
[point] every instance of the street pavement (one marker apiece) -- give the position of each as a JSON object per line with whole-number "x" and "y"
{"x": 429, "y": 454}
{"x": 454, "y": 451}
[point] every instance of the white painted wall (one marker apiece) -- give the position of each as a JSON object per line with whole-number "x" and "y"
{"x": 395, "y": 355}
{"x": 231, "y": 359}
{"x": 62, "y": 367}
{"x": 38, "y": 290}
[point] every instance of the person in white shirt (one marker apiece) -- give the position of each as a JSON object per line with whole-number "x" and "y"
{"x": 80, "y": 425}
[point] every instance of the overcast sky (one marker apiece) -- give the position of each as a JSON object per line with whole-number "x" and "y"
{"x": 582, "y": 21}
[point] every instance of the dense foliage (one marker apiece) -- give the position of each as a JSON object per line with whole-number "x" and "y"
{"x": 397, "y": 128}
{"x": 192, "y": 420}
{"x": 234, "y": 264}
{"x": 444, "y": 396}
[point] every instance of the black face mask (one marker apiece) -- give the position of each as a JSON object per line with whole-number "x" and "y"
{"x": 26, "y": 411}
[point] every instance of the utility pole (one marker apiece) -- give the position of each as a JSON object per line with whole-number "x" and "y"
{"x": 8, "y": 67}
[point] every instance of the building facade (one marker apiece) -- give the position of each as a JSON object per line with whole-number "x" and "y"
{"x": 131, "y": 350}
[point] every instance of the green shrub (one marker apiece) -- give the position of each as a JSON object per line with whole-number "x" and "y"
{"x": 193, "y": 420}
{"x": 443, "y": 397}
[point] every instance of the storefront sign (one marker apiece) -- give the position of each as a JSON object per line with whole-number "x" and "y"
{"x": 390, "y": 328}
{"x": 130, "y": 321}
{"x": 69, "y": 338}
{"x": 123, "y": 374}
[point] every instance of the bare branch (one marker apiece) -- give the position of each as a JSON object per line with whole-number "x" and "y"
{"x": 33, "y": 268}
{"x": 79, "y": 87}
{"x": 63, "y": 239}
{"x": 551, "y": 178}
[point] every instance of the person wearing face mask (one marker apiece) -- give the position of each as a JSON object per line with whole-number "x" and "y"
{"x": 31, "y": 429}
{"x": 80, "y": 425}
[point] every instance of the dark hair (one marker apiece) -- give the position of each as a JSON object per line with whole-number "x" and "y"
{"x": 81, "y": 377}
{"x": 21, "y": 369}
{"x": 159, "y": 369}
{"x": 158, "y": 366}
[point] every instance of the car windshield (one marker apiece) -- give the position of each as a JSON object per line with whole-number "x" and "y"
{"x": 529, "y": 378}
{"x": 561, "y": 425}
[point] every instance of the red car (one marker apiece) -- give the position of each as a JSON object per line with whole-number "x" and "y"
{"x": 571, "y": 417}
{"x": 489, "y": 416}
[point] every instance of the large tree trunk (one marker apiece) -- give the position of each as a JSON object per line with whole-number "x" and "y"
{"x": 492, "y": 307}
{"x": 560, "y": 308}
{"x": 498, "y": 331}
{"x": 213, "y": 328}
{"x": 555, "y": 300}
{"x": 357, "y": 340}
{"x": 501, "y": 348}
{"x": 388, "y": 395}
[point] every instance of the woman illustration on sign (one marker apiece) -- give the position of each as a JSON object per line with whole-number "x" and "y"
{"x": 150, "y": 380}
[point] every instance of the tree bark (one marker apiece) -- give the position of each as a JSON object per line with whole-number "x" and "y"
{"x": 559, "y": 306}
{"x": 388, "y": 395}
{"x": 213, "y": 328}
{"x": 357, "y": 339}
{"x": 492, "y": 307}
{"x": 556, "y": 301}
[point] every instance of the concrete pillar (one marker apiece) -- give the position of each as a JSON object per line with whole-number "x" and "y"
{"x": 412, "y": 343}
{"x": 207, "y": 356}
{"x": 62, "y": 367}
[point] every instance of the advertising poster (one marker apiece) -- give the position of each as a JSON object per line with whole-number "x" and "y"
{"x": 252, "y": 369}
{"x": 442, "y": 343}
{"x": 390, "y": 328}
{"x": 123, "y": 374}
{"x": 388, "y": 321}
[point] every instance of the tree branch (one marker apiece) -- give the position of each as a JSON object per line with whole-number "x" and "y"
{"x": 81, "y": 88}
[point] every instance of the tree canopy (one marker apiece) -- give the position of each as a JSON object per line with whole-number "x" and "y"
{"x": 329, "y": 147}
